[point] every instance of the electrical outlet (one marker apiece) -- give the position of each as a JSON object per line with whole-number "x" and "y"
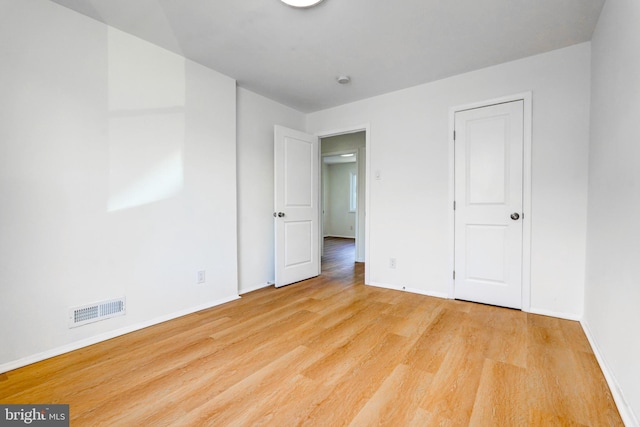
{"x": 392, "y": 263}
{"x": 201, "y": 276}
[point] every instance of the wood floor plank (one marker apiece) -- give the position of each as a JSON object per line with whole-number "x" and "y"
{"x": 124, "y": 368}
{"x": 423, "y": 418}
{"x": 233, "y": 405}
{"x": 575, "y": 336}
{"x": 219, "y": 372}
{"x": 509, "y": 327}
{"x": 559, "y": 385}
{"x": 433, "y": 344}
{"x": 539, "y": 418}
{"x": 502, "y": 398}
{"x": 387, "y": 406}
{"x": 182, "y": 381}
{"x": 359, "y": 383}
{"x": 340, "y": 359}
{"x": 452, "y": 392}
{"x": 344, "y": 322}
{"x": 277, "y": 410}
{"x": 598, "y": 405}
{"x": 415, "y": 320}
{"x": 331, "y": 351}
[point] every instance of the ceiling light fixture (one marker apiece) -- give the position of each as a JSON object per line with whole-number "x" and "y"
{"x": 347, "y": 155}
{"x": 301, "y": 3}
{"x": 343, "y": 80}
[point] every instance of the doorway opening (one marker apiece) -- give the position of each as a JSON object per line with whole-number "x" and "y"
{"x": 343, "y": 189}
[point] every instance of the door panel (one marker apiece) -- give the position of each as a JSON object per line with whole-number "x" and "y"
{"x": 296, "y": 206}
{"x": 487, "y": 148}
{"x": 485, "y": 253}
{"x": 298, "y": 243}
{"x": 488, "y": 189}
{"x": 297, "y": 178}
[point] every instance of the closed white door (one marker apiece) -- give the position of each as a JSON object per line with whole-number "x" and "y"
{"x": 296, "y": 206}
{"x": 488, "y": 204}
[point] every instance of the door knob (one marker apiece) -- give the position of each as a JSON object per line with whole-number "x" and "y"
{"x": 280, "y": 214}
{"x": 515, "y": 216}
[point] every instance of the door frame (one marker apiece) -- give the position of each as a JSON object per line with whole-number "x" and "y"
{"x": 366, "y": 128}
{"x": 526, "y": 97}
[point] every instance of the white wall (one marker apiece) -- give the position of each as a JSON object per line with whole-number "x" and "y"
{"x": 339, "y": 222}
{"x": 613, "y": 239}
{"x": 256, "y": 117}
{"x": 409, "y": 211}
{"x": 117, "y": 178}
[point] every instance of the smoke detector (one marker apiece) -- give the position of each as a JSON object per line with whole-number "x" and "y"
{"x": 343, "y": 80}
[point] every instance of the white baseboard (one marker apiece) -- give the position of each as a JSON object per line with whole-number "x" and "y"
{"x": 558, "y": 314}
{"x": 443, "y": 295}
{"x": 10, "y": 366}
{"x": 628, "y": 417}
{"x": 255, "y": 288}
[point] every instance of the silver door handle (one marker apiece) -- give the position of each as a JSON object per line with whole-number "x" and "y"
{"x": 280, "y": 214}
{"x": 515, "y": 216}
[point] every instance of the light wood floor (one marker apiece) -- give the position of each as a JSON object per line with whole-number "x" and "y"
{"x": 331, "y": 352}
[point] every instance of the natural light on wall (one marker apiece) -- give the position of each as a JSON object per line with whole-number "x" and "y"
{"x": 146, "y": 122}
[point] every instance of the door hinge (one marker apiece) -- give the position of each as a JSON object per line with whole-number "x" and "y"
{"x": 454, "y": 135}
{"x": 454, "y": 275}
{"x": 454, "y": 205}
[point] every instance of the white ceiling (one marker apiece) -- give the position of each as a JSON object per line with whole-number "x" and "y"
{"x": 293, "y": 56}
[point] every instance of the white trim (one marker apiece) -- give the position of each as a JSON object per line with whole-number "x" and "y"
{"x": 558, "y": 314}
{"x": 452, "y": 198}
{"x": 526, "y": 202}
{"x": 10, "y": 366}
{"x": 410, "y": 290}
{"x": 626, "y": 413}
{"x": 526, "y": 97}
{"x": 367, "y": 221}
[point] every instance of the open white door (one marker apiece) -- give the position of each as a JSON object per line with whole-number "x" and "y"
{"x": 296, "y": 212}
{"x": 489, "y": 201}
